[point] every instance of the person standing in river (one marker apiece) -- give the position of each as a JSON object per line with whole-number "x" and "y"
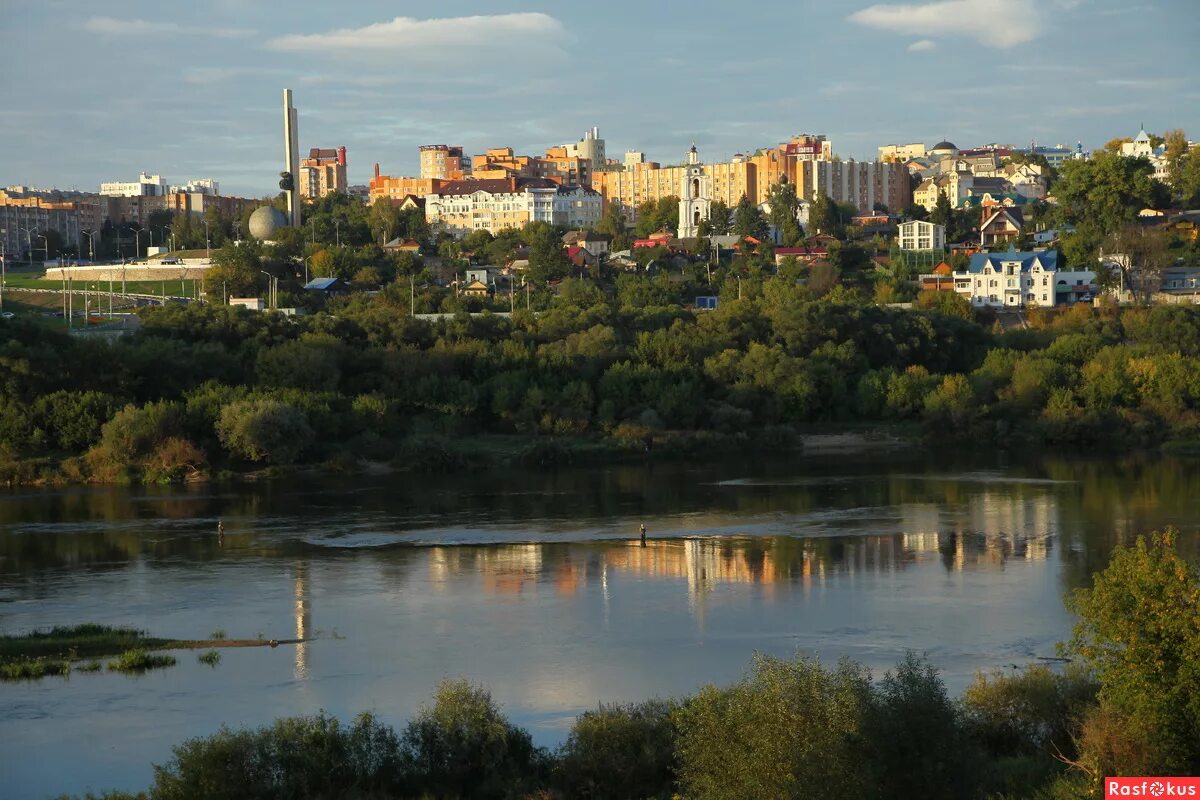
{"x": 643, "y": 530}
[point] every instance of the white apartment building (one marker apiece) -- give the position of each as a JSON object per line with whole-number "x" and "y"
{"x": 919, "y": 235}
{"x": 901, "y": 152}
{"x": 145, "y": 185}
{"x": 1022, "y": 280}
{"x": 496, "y": 204}
{"x": 590, "y": 148}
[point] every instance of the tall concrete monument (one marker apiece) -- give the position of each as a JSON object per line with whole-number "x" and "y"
{"x": 290, "y": 182}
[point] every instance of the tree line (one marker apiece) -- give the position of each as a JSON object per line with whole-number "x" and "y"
{"x": 1128, "y": 703}
{"x": 202, "y": 388}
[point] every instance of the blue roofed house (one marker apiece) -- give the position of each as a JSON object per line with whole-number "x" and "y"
{"x": 326, "y": 286}
{"x": 1022, "y": 280}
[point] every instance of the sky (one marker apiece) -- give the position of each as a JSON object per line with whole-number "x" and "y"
{"x": 100, "y": 91}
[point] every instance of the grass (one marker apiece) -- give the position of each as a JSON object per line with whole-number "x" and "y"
{"x": 74, "y": 641}
{"x": 209, "y": 657}
{"x": 31, "y": 669}
{"x": 90, "y": 666}
{"x": 217, "y": 634}
{"x": 140, "y": 660}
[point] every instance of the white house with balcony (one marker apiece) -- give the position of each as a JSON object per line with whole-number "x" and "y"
{"x": 920, "y": 235}
{"x": 1022, "y": 280}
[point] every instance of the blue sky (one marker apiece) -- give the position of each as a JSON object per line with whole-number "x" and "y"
{"x": 96, "y": 92}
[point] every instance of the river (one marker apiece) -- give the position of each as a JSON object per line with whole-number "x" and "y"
{"x": 535, "y": 584}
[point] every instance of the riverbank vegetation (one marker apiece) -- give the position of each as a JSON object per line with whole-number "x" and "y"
{"x": 1127, "y": 704}
{"x": 62, "y": 650}
{"x": 204, "y": 389}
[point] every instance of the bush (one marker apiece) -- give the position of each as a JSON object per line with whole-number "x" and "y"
{"x": 1035, "y": 711}
{"x": 463, "y": 746}
{"x": 129, "y": 438}
{"x": 264, "y": 430}
{"x": 619, "y": 752}
{"x": 72, "y": 420}
{"x": 789, "y": 729}
{"x": 296, "y": 757}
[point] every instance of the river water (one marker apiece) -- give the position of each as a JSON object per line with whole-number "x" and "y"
{"x": 536, "y": 585}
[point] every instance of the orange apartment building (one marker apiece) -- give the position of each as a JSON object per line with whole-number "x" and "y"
{"x": 443, "y": 162}
{"x": 751, "y": 176}
{"x": 323, "y": 172}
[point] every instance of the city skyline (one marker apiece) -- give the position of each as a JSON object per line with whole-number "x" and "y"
{"x": 383, "y": 78}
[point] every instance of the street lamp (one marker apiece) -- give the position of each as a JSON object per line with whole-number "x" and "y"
{"x": 29, "y": 240}
{"x": 137, "y": 241}
{"x": 207, "y": 241}
{"x": 91, "y": 234}
{"x": 306, "y": 258}
{"x": 271, "y": 283}
{"x": 337, "y": 231}
{"x": 46, "y": 251}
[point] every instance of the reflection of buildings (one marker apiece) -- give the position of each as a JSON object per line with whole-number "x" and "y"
{"x": 984, "y": 530}
{"x": 993, "y": 527}
{"x": 303, "y": 616}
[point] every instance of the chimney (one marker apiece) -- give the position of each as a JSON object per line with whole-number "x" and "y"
{"x": 376, "y": 169}
{"x": 341, "y": 151}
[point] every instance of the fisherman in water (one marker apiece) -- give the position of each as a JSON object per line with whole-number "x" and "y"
{"x": 220, "y": 530}
{"x": 643, "y": 530}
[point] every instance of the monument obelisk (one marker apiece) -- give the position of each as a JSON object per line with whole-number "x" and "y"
{"x": 291, "y": 158}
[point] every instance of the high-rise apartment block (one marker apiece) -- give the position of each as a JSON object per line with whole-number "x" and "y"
{"x": 323, "y": 172}
{"x": 443, "y": 162}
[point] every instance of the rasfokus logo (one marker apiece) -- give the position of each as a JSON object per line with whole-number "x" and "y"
{"x": 1151, "y": 787}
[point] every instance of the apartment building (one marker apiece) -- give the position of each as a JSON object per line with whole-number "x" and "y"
{"x": 863, "y": 183}
{"x": 443, "y": 162}
{"x": 901, "y": 152}
{"x": 460, "y": 207}
{"x": 323, "y": 172}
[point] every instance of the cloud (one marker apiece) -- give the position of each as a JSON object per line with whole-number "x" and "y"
{"x": 922, "y": 46}
{"x": 110, "y": 26}
{"x": 407, "y": 37}
{"x": 1015, "y": 23}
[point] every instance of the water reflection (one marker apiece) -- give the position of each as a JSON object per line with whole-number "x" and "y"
{"x": 303, "y": 617}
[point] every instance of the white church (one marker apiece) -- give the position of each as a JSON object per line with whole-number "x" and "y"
{"x": 695, "y": 197}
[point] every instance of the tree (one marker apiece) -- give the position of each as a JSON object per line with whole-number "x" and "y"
{"x": 1139, "y": 629}
{"x": 234, "y": 271}
{"x": 1140, "y": 255}
{"x": 748, "y": 220}
{"x": 547, "y": 259}
{"x": 784, "y": 205}
{"x": 619, "y": 751}
{"x": 613, "y": 224}
{"x": 824, "y": 217}
{"x": 263, "y": 429}
{"x": 942, "y": 211}
{"x": 463, "y": 746}
{"x": 1101, "y": 195}
{"x": 720, "y": 219}
{"x": 385, "y": 220}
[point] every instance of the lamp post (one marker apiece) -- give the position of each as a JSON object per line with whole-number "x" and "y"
{"x": 306, "y": 258}
{"x": 46, "y": 246}
{"x": 337, "y": 231}
{"x": 28, "y": 240}
{"x": 270, "y": 288}
{"x": 137, "y": 242}
{"x": 91, "y": 234}
{"x": 207, "y": 242}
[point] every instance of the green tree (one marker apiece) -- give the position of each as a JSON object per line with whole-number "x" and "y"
{"x": 784, "y": 205}
{"x": 619, "y": 752}
{"x": 942, "y": 211}
{"x": 790, "y": 729}
{"x": 463, "y": 746}
{"x": 385, "y": 221}
{"x": 547, "y": 258}
{"x": 1139, "y": 629}
{"x": 748, "y": 220}
{"x": 263, "y": 429}
{"x": 235, "y": 270}
{"x": 720, "y": 219}
{"x": 824, "y": 216}
{"x": 614, "y": 225}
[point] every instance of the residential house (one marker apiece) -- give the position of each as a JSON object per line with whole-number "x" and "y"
{"x": 806, "y": 254}
{"x": 402, "y": 246}
{"x": 594, "y": 243}
{"x": 475, "y": 289}
{"x": 999, "y": 224}
{"x": 939, "y": 279}
{"x": 920, "y": 235}
{"x": 1141, "y": 147}
{"x": 1022, "y": 280}
{"x": 955, "y": 185}
{"x": 584, "y": 259}
{"x": 500, "y": 203}
{"x": 326, "y": 286}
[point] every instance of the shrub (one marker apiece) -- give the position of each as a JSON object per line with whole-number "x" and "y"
{"x": 296, "y": 757}
{"x": 618, "y": 752}
{"x": 463, "y": 746}
{"x": 264, "y": 430}
{"x": 209, "y": 658}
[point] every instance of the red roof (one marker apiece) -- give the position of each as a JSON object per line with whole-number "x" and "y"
{"x": 801, "y": 251}
{"x": 648, "y": 243}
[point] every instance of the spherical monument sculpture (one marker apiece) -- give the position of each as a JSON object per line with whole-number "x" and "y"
{"x": 265, "y": 221}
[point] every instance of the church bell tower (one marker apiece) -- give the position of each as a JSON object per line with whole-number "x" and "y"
{"x": 695, "y": 196}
